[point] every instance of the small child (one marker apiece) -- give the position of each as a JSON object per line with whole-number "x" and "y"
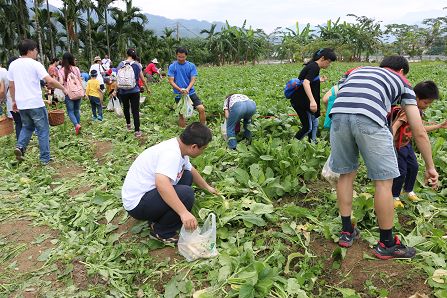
{"x": 426, "y": 92}
{"x": 328, "y": 100}
{"x": 94, "y": 93}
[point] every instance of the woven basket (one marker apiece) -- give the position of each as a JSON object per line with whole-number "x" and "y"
{"x": 56, "y": 117}
{"x": 6, "y": 126}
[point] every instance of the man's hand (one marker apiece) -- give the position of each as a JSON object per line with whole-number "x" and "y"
{"x": 185, "y": 91}
{"x": 323, "y": 79}
{"x": 189, "y": 221}
{"x": 212, "y": 190}
{"x": 313, "y": 106}
{"x": 444, "y": 124}
{"x": 14, "y": 107}
{"x": 431, "y": 178}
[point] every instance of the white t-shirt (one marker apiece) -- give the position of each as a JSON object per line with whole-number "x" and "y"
{"x": 99, "y": 69}
{"x": 164, "y": 158}
{"x": 234, "y": 99}
{"x": 106, "y": 63}
{"x": 26, "y": 74}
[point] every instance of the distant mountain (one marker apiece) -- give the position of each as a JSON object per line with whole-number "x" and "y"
{"x": 187, "y": 28}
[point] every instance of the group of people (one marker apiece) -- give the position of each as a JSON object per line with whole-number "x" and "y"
{"x": 158, "y": 189}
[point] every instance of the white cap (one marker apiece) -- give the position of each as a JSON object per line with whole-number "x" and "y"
{"x": 154, "y": 61}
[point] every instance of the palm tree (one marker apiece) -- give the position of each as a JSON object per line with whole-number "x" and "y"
{"x": 50, "y": 29}
{"x": 38, "y": 31}
{"x": 103, "y": 5}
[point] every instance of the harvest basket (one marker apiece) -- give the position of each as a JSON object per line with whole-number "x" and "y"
{"x": 6, "y": 126}
{"x": 56, "y": 117}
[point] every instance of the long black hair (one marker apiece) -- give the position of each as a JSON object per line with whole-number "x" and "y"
{"x": 67, "y": 63}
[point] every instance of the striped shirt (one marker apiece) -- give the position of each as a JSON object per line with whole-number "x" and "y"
{"x": 371, "y": 91}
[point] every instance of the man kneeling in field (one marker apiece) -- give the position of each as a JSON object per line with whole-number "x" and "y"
{"x": 158, "y": 188}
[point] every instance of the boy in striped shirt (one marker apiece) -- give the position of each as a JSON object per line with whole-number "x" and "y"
{"x": 359, "y": 125}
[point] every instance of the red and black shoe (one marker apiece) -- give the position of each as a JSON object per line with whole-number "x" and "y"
{"x": 398, "y": 250}
{"x": 346, "y": 238}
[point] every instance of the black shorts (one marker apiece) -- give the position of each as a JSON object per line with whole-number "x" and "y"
{"x": 195, "y": 99}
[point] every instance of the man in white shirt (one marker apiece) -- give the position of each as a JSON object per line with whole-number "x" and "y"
{"x": 97, "y": 65}
{"x": 24, "y": 76}
{"x": 106, "y": 62}
{"x": 158, "y": 188}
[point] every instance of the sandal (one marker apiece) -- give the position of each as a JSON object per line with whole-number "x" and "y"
{"x": 171, "y": 240}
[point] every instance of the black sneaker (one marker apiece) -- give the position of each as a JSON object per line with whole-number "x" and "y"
{"x": 19, "y": 153}
{"x": 346, "y": 238}
{"x": 397, "y": 251}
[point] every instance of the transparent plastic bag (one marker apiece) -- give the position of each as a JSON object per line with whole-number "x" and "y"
{"x": 185, "y": 106}
{"x": 200, "y": 243}
{"x": 223, "y": 129}
{"x": 328, "y": 174}
{"x": 117, "y": 106}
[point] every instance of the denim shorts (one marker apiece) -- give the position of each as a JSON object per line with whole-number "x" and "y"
{"x": 354, "y": 133}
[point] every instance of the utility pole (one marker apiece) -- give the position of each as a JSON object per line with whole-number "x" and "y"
{"x": 178, "y": 38}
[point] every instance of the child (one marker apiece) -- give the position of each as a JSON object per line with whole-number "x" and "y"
{"x": 306, "y": 101}
{"x": 95, "y": 95}
{"x": 237, "y": 107}
{"x": 426, "y": 92}
{"x": 328, "y": 100}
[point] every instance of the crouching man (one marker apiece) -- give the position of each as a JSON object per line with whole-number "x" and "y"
{"x": 158, "y": 188}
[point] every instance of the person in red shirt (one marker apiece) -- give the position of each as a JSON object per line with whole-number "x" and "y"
{"x": 151, "y": 69}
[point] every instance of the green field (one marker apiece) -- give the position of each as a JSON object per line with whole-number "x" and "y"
{"x": 64, "y": 233}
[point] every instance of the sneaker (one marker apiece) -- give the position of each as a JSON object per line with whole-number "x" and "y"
{"x": 99, "y": 118}
{"x": 78, "y": 128}
{"x": 346, "y": 238}
{"x": 45, "y": 163}
{"x": 398, "y": 203}
{"x": 129, "y": 127}
{"x": 94, "y": 118}
{"x": 19, "y": 153}
{"x": 138, "y": 134}
{"x": 413, "y": 197}
{"x": 397, "y": 251}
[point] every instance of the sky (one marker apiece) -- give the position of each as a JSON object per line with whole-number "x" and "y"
{"x": 270, "y": 14}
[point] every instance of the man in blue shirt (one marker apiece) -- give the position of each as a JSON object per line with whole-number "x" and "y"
{"x": 182, "y": 75}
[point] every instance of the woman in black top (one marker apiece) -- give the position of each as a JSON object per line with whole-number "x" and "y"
{"x": 306, "y": 101}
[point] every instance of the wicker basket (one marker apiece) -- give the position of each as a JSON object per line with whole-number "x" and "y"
{"x": 56, "y": 117}
{"x": 6, "y": 126}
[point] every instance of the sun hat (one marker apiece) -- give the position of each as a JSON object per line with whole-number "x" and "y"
{"x": 154, "y": 61}
{"x": 97, "y": 58}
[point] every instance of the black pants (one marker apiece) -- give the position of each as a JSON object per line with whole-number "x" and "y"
{"x": 154, "y": 209}
{"x": 305, "y": 122}
{"x": 132, "y": 100}
{"x": 408, "y": 168}
{"x": 17, "y": 122}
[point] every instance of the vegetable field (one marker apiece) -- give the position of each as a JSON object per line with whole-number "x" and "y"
{"x": 64, "y": 233}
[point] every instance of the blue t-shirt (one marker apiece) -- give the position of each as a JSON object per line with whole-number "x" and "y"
{"x": 136, "y": 69}
{"x": 182, "y": 74}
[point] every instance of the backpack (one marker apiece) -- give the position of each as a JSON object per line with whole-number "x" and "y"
{"x": 125, "y": 77}
{"x": 293, "y": 85}
{"x": 74, "y": 87}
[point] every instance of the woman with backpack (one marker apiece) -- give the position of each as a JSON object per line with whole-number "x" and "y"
{"x": 128, "y": 74}
{"x": 70, "y": 78}
{"x": 306, "y": 101}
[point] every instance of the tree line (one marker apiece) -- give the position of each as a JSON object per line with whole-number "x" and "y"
{"x": 89, "y": 28}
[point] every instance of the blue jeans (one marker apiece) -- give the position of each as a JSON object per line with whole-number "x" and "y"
{"x": 73, "y": 110}
{"x": 240, "y": 110}
{"x": 352, "y": 134}
{"x": 96, "y": 106}
{"x": 35, "y": 119}
{"x": 313, "y": 134}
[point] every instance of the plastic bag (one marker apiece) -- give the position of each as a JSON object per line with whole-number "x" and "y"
{"x": 328, "y": 174}
{"x": 59, "y": 95}
{"x": 114, "y": 105}
{"x": 223, "y": 129}
{"x": 185, "y": 106}
{"x": 200, "y": 243}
